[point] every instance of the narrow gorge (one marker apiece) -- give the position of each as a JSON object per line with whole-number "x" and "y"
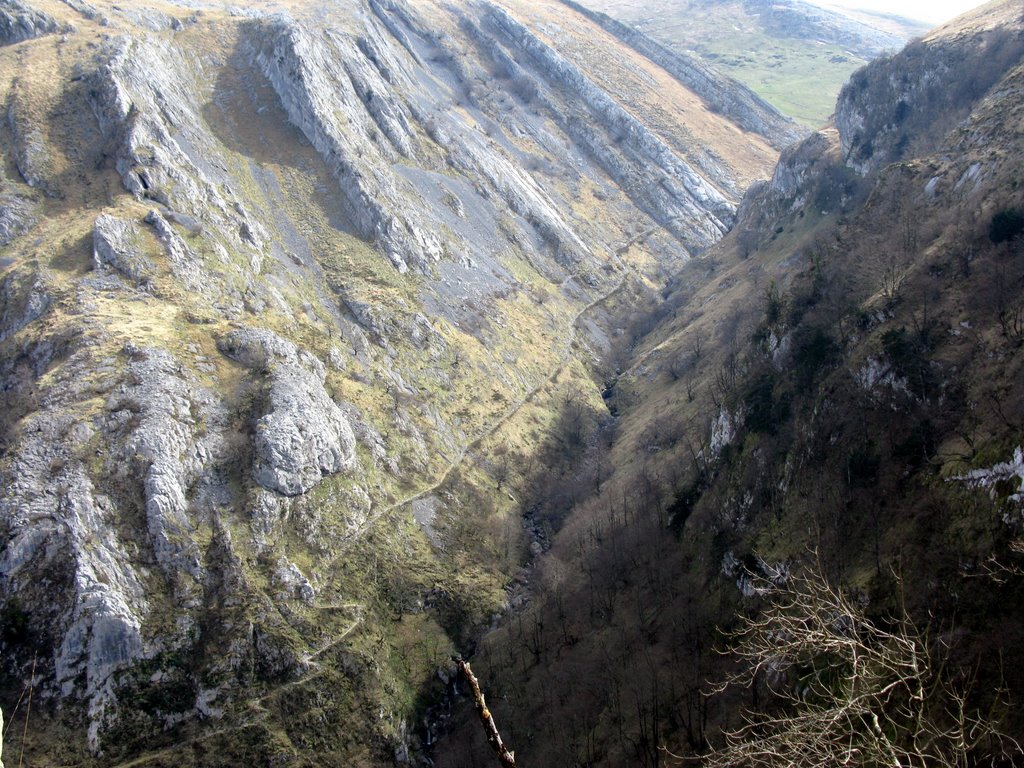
{"x": 337, "y": 340}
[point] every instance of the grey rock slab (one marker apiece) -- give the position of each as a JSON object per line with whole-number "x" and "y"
{"x": 146, "y": 103}
{"x": 64, "y": 559}
{"x": 341, "y": 103}
{"x": 115, "y": 245}
{"x": 18, "y": 214}
{"x": 19, "y": 22}
{"x": 23, "y": 299}
{"x": 304, "y": 435}
{"x": 167, "y": 405}
{"x": 185, "y": 265}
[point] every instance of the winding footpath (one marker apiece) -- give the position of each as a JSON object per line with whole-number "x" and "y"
{"x": 314, "y": 669}
{"x": 514, "y": 409}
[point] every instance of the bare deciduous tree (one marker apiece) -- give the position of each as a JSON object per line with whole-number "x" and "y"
{"x": 854, "y": 692}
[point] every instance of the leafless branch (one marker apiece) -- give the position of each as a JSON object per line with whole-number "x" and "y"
{"x": 505, "y": 757}
{"x": 855, "y": 693}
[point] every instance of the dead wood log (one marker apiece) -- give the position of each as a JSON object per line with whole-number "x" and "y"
{"x": 506, "y": 757}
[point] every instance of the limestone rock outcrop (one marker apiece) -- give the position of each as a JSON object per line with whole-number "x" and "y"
{"x": 667, "y": 188}
{"x": 145, "y": 104}
{"x": 19, "y": 22}
{"x": 293, "y": 451}
{"x": 303, "y": 71}
{"x": 904, "y": 105}
{"x": 116, "y": 246}
{"x": 18, "y": 214}
{"x": 24, "y": 298}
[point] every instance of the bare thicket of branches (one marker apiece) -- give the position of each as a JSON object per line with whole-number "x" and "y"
{"x": 855, "y": 693}
{"x": 1000, "y": 569}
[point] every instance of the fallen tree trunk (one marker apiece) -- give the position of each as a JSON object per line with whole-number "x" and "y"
{"x": 506, "y": 757}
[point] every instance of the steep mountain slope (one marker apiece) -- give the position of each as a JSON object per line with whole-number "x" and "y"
{"x": 836, "y": 387}
{"x": 283, "y": 288}
{"x": 794, "y": 54}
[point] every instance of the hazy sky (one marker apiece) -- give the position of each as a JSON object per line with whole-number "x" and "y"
{"x": 933, "y": 11}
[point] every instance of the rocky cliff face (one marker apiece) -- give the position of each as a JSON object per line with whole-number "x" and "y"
{"x": 903, "y": 106}
{"x": 20, "y": 22}
{"x": 268, "y": 279}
